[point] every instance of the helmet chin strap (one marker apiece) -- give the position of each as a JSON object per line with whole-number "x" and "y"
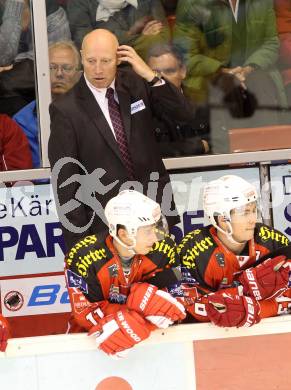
{"x": 228, "y": 233}
{"x": 130, "y": 248}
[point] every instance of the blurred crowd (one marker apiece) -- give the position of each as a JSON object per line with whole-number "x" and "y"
{"x": 230, "y": 58}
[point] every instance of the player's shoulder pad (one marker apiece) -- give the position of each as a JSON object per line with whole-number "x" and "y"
{"x": 164, "y": 252}
{"x": 197, "y": 235}
{"x": 270, "y": 237}
{"x": 198, "y": 244}
{"x": 87, "y": 253}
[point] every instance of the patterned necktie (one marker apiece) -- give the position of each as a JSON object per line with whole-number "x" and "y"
{"x": 117, "y": 124}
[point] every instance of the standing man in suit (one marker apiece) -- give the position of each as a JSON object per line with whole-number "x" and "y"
{"x": 102, "y": 135}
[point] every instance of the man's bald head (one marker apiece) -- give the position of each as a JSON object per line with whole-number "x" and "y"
{"x": 99, "y": 57}
{"x": 100, "y": 36}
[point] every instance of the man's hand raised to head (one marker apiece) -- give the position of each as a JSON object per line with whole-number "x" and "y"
{"x": 128, "y": 54}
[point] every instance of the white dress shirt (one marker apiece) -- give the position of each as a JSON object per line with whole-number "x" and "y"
{"x": 234, "y": 11}
{"x": 100, "y": 96}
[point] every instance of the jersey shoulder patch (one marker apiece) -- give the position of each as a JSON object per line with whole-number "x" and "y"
{"x": 269, "y": 237}
{"x": 86, "y": 254}
{"x": 164, "y": 252}
{"x": 196, "y": 246}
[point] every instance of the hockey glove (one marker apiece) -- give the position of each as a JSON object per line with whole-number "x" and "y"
{"x": 268, "y": 280}
{"x": 232, "y": 310}
{"x": 4, "y": 333}
{"x": 157, "y": 306}
{"x": 119, "y": 332}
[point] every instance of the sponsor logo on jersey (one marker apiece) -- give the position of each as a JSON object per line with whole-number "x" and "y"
{"x": 176, "y": 291}
{"x": 113, "y": 270}
{"x": 77, "y": 281}
{"x": 267, "y": 234}
{"x": 84, "y": 262}
{"x": 197, "y": 247}
{"x": 115, "y": 296}
{"x": 79, "y": 303}
{"x": 200, "y": 308}
{"x": 187, "y": 278}
{"x": 220, "y": 259}
{"x": 163, "y": 247}
{"x": 89, "y": 240}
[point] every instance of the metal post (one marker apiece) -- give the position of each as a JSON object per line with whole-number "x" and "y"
{"x": 39, "y": 25}
{"x": 266, "y": 195}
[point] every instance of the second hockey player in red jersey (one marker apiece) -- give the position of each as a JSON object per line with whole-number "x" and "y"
{"x": 118, "y": 288}
{"x": 220, "y": 282}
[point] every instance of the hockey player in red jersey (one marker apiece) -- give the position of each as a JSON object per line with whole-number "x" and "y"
{"x": 222, "y": 280}
{"x": 4, "y": 333}
{"x": 118, "y": 287}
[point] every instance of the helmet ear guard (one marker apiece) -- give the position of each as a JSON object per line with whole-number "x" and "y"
{"x": 225, "y": 194}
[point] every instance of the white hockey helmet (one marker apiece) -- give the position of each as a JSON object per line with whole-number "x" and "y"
{"x": 225, "y": 194}
{"x": 132, "y": 210}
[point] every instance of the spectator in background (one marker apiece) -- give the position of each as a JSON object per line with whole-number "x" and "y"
{"x": 231, "y": 44}
{"x": 174, "y": 139}
{"x": 65, "y": 65}
{"x": 14, "y": 148}
{"x": 283, "y": 15}
{"x": 17, "y": 85}
{"x": 15, "y": 18}
{"x": 137, "y": 23}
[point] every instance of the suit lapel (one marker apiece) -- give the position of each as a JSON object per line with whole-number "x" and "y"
{"x": 124, "y": 105}
{"x": 95, "y": 113}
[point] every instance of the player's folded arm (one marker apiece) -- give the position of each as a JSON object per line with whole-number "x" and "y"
{"x": 88, "y": 302}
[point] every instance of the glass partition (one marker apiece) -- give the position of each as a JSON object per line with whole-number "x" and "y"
{"x": 232, "y": 66}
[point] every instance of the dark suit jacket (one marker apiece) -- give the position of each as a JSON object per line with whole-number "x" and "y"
{"x": 79, "y": 130}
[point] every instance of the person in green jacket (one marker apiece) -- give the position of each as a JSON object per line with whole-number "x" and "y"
{"x": 232, "y": 46}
